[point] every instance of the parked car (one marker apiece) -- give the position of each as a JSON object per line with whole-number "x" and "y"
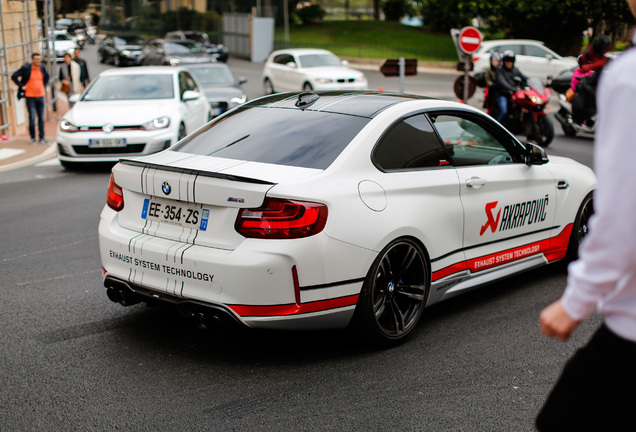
{"x": 61, "y": 44}
{"x": 309, "y": 69}
{"x": 131, "y": 112}
{"x": 328, "y": 209}
{"x": 222, "y": 89}
{"x": 533, "y": 58}
{"x": 218, "y": 51}
{"x": 121, "y": 49}
{"x": 162, "y": 52}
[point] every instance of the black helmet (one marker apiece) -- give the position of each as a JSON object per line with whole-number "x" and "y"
{"x": 509, "y": 55}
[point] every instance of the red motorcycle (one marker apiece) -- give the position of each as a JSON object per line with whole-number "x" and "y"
{"x": 526, "y": 112}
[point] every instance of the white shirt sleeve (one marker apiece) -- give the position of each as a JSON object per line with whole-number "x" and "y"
{"x": 608, "y": 253}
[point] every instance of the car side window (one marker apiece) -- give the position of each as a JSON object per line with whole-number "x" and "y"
{"x": 535, "y": 51}
{"x": 186, "y": 82}
{"x": 468, "y": 143}
{"x": 515, "y": 48}
{"x": 283, "y": 59}
{"x": 411, "y": 143}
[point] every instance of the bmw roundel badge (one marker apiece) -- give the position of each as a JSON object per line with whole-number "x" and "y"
{"x": 165, "y": 187}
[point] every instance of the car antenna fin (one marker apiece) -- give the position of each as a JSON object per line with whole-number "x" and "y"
{"x": 306, "y": 99}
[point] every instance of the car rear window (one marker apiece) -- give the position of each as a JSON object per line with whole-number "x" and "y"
{"x": 309, "y": 139}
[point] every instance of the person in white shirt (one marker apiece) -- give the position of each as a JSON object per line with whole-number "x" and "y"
{"x": 594, "y": 391}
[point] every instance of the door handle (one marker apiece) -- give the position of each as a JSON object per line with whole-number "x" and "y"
{"x": 475, "y": 182}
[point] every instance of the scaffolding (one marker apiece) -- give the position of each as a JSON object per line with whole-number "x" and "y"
{"x": 17, "y": 49}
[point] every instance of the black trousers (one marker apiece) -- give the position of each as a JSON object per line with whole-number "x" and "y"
{"x": 596, "y": 390}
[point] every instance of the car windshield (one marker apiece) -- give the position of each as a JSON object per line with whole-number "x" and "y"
{"x": 214, "y": 75}
{"x": 130, "y": 87}
{"x": 309, "y": 139}
{"x": 182, "y": 47}
{"x": 62, "y": 37}
{"x": 199, "y": 37}
{"x": 317, "y": 60}
{"x": 128, "y": 40}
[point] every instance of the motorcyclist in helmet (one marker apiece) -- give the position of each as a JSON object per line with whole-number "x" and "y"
{"x": 490, "y": 79}
{"x": 508, "y": 80}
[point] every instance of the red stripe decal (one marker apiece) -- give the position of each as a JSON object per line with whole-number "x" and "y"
{"x": 294, "y": 309}
{"x": 553, "y": 249}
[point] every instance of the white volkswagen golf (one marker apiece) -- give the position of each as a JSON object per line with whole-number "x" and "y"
{"x": 323, "y": 210}
{"x": 131, "y": 112}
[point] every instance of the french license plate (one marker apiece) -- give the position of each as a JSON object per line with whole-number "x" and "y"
{"x": 179, "y": 213}
{"x": 107, "y": 142}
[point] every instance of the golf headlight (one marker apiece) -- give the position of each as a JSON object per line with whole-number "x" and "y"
{"x": 238, "y": 100}
{"x": 158, "y": 123}
{"x": 66, "y": 126}
{"x": 125, "y": 53}
{"x": 324, "y": 80}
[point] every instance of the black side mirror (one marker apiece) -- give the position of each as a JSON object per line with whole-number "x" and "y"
{"x": 535, "y": 155}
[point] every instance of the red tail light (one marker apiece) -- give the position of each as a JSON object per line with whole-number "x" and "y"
{"x": 282, "y": 219}
{"x": 115, "y": 197}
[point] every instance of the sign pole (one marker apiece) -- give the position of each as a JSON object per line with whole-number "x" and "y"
{"x": 402, "y": 73}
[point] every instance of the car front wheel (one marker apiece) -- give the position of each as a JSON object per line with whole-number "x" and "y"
{"x": 268, "y": 88}
{"x": 394, "y": 293}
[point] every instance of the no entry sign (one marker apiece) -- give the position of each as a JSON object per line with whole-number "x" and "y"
{"x": 469, "y": 40}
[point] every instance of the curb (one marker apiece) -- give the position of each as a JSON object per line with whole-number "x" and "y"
{"x": 47, "y": 154}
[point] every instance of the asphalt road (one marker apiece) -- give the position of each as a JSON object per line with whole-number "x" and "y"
{"x": 72, "y": 360}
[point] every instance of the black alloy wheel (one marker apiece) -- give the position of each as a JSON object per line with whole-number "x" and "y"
{"x": 581, "y": 227}
{"x": 394, "y": 293}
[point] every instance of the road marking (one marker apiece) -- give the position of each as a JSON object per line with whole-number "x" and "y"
{"x": 7, "y": 153}
{"x": 49, "y": 162}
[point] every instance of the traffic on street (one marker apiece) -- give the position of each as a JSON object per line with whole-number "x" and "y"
{"x": 75, "y": 360}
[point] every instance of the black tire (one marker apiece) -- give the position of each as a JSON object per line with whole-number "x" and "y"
{"x": 581, "y": 227}
{"x": 182, "y": 132}
{"x": 569, "y": 131}
{"x": 70, "y": 166}
{"x": 307, "y": 87}
{"x": 394, "y": 294}
{"x": 268, "y": 88}
{"x": 116, "y": 60}
{"x": 543, "y": 131}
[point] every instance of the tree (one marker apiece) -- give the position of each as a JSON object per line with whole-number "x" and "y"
{"x": 560, "y": 24}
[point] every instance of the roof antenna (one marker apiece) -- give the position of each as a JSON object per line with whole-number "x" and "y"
{"x": 306, "y": 99}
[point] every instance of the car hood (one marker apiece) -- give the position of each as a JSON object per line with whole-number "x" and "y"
{"x": 190, "y": 58}
{"x": 236, "y": 169}
{"x": 129, "y": 47}
{"x": 332, "y": 72}
{"x": 222, "y": 92}
{"x": 130, "y": 113}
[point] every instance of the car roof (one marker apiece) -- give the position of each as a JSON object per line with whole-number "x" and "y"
{"x": 357, "y": 103}
{"x": 218, "y": 65}
{"x": 143, "y": 70}
{"x": 301, "y": 51}
{"x": 511, "y": 41}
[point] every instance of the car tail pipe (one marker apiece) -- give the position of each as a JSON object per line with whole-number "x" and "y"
{"x": 120, "y": 292}
{"x": 205, "y": 316}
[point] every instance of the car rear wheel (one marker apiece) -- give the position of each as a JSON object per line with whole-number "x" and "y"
{"x": 394, "y": 293}
{"x": 268, "y": 88}
{"x": 581, "y": 226}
